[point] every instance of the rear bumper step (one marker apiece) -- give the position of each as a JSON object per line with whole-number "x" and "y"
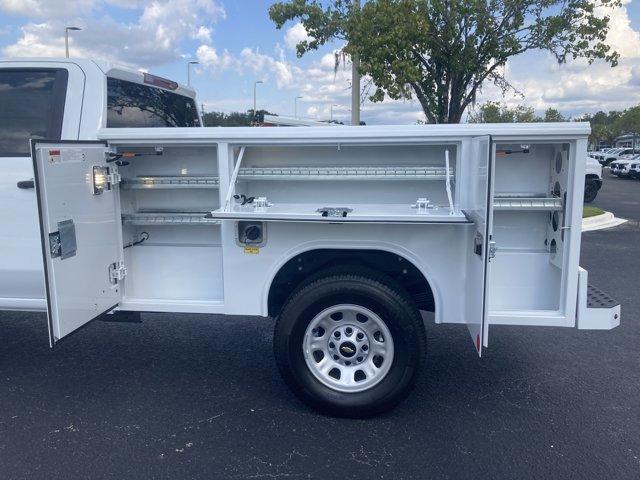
{"x": 596, "y": 310}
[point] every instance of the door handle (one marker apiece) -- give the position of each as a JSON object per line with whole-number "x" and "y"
{"x": 24, "y": 184}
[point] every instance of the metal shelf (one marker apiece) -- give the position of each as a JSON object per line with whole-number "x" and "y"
{"x": 343, "y": 173}
{"x": 171, "y": 182}
{"x": 167, "y": 219}
{"x": 531, "y": 204}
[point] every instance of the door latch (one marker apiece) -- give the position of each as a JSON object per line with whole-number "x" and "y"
{"x": 478, "y": 242}
{"x": 492, "y": 249}
{"x": 63, "y": 242}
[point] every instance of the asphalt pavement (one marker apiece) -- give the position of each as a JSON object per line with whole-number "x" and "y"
{"x": 198, "y": 396}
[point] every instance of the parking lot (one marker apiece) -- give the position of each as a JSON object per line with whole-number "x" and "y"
{"x": 199, "y": 396}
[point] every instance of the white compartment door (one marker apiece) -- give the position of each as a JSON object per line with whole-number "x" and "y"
{"x": 480, "y": 211}
{"x": 79, "y": 210}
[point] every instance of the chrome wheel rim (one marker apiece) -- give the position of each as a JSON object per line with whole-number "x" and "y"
{"x": 348, "y": 348}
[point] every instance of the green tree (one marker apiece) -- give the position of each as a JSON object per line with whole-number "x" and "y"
{"x": 491, "y": 112}
{"x": 442, "y": 51}
{"x": 605, "y": 126}
{"x": 553, "y": 115}
{"x": 628, "y": 122}
{"x": 495, "y": 112}
{"x": 233, "y": 119}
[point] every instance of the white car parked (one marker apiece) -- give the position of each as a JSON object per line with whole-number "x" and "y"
{"x": 622, "y": 168}
{"x": 605, "y": 158}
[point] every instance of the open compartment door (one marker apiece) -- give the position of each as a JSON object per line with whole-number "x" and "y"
{"x": 479, "y": 246}
{"x": 78, "y": 203}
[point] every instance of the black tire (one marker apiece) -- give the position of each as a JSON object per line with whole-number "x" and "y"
{"x": 590, "y": 191}
{"x": 369, "y": 289}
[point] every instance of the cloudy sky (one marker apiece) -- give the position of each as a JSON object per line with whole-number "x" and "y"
{"x": 236, "y": 44}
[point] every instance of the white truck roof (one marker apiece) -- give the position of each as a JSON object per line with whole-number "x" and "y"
{"x": 106, "y": 68}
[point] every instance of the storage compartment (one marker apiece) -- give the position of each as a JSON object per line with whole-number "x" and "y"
{"x": 316, "y": 183}
{"x": 165, "y": 199}
{"x": 528, "y": 228}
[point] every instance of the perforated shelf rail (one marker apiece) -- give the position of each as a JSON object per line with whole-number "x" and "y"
{"x": 292, "y": 173}
{"x": 532, "y": 203}
{"x": 167, "y": 219}
{"x": 344, "y": 173}
{"x": 172, "y": 182}
{"x": 596, "y": 298}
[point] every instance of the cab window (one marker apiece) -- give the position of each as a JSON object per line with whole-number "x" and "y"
{"x": 31, "y": 106}
{"x": 133, "y": 105}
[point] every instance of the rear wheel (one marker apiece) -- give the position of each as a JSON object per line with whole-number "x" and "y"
{"x": 350, "y": 344}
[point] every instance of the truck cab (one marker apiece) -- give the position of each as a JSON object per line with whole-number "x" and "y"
{"x": 64, "y": 99}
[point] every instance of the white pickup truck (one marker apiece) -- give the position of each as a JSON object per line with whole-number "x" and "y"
{"x": 344, "y": 235}
{"x": 64, "y": 99}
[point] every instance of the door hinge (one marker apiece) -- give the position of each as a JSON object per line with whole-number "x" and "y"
{"x": 117, "y": 272}
{"x": 492, "y": 249}
{"x": 114, "y": 177}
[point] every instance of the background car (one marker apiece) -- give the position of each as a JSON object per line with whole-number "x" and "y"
{"x": 616, "y": 154}
{"x": 621, "y": 168}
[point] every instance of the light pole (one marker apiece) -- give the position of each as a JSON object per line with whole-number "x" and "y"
{"x": 189, "y": 71}
{"x": 331, "y": 112}
{"x": 66, "y": 38}
{"x": 255, "y": 88}
{"x": 355, "y": 82}
{"x": 295, "y": 104}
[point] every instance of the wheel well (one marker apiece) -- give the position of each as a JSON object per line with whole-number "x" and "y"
{"x": 299, "y": 268}
{"x": 592, "y": 176}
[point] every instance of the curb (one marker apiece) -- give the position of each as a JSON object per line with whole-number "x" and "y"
{"x": 600, "y": 222}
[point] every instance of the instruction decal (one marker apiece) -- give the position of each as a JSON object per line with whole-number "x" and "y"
{"x": 252, "y": 250}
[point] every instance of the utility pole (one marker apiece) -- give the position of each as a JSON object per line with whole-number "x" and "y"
{"x": 355, "y": 82}
{"x": 189, "y": 71}
{"x": 66, "y": 38}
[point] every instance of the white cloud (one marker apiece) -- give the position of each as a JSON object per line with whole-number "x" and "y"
{"x": 155, "y": 38}
{"x": 296, "y": 34}
{"x": 209, "y": 58}
{"x": 266, "y": 65}
{"x": 47, "y": 9}
{"x": 621, "y": 36}
{"x": 203, "y": 34}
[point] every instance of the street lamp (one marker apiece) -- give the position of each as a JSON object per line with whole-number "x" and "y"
{"x": 255, "y": 86}
{"x": 66, "y": 38}
{"x": 295, "y": 103}
{"x": 189, "y": 71}
{"x": 331, "y": 112}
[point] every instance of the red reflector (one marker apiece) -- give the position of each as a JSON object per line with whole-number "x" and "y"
{"x": 478, "y": 342}
{"x": 159, "y": 82}
{"x": 54, "y": 152}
